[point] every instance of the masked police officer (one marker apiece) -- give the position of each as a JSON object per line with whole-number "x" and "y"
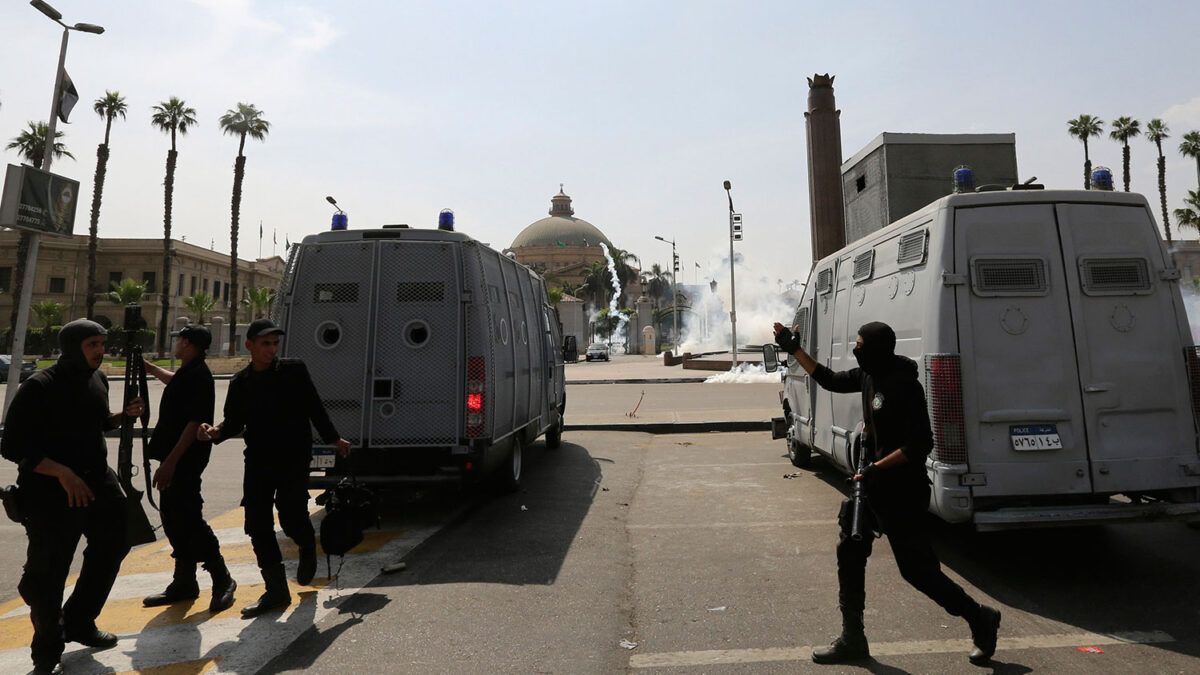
{"x": 897, "y": 438}
{"x": 187, "y": 402}
{"x": 275, "y": 402}
{"x": 54, "y": 431}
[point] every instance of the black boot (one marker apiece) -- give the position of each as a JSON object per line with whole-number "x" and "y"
{"x": 985, "y": 627}
{"x": 90, "y": 637}
{"x": 307, "y": 567}
{"x": 48, "y": 668}
{"x": 182, "y": 587}
{"x": 851, "y": 645}
{"x": 276, "y": 595}
{"x": 223, "y": 586}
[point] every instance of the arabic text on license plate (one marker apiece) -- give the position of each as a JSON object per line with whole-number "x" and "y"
{"x": 1035, "y": 437}
{"x": 322, "y": 459}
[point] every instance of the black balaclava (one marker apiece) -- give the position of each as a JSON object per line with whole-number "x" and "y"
{"x": 71, "y": 338}
{"x": 878, "y": 348}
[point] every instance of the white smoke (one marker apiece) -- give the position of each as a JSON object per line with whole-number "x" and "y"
{"x": 618, "y": 336}
{"x": 760, "y": 303}
{"x": 744, "y": 373}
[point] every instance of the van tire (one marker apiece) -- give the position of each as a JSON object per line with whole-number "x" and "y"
{"x": 510, "y": 471}
{"x": 554, "y": 433}
{"x": 799, "y": 454}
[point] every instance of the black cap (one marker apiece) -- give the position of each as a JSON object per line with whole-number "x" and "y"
{"x": 260, "y": 327}
{"x": 196, "y": 334}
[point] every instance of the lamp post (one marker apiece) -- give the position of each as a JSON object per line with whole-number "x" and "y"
{"x": 735, "y": 233}
{"x": 674, "y": 290}
{"x": 18, "y": 343}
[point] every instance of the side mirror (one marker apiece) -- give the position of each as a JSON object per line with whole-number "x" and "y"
{"x": 770, "y": 357}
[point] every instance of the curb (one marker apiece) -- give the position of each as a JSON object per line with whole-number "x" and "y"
{"x": 643, "y": 380}
{"x": 674, "y": 427}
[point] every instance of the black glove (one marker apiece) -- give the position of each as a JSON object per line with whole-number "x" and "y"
{"x": 868, "y": 470}
{"x": 788, "y": 341}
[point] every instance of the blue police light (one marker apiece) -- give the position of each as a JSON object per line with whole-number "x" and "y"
{"x": 964, "y": 179}
{"x": 340, "y": 221}
{"x": 1102, "y": 179}
{"x": 446, "y": 220}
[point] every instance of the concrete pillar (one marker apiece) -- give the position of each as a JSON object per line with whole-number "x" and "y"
{"x": 220, "y": 340}
{"x": 824, "y": 131}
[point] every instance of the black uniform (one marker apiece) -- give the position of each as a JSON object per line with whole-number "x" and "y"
{"x": 895, "y": 418}
{"x": 188, "y": 397}
{"x": 61, "y": 413}
{"x": 277, "y": 408}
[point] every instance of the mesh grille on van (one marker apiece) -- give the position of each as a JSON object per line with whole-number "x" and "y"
{"x": 943, "y": 388}
{"x": 1114, "y": 276}
{"x": 1009, "y": 277}
{"x": 420, "y": 291}
{"x": 1192, "y": 358}
{"x": 335, "y": 292}
{"x": 801, "y": 320}
{"x": 912, "y": 248}
{"x": 824, "y": 281}
{"x": 864, "y": 265}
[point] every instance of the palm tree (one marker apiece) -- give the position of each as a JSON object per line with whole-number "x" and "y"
{"x": 128, "y": 292}
{"x": 658, "y": 283}
{"x": 1157, "y": 131}
{"x": 625, "y": 273}
{"x": 1125, "y": 128}
{"x": 597, "y": 283}
{"x": 49, "y": 313}
{"x": 108, "y": 107}
{"x": 30, "y": 145}
{"x": 1083, "y": 128}
{"x": 245, "y": 120}
{"x": 554, "y": 295}
{"x": 258, "y": 301}
{"x": 1190, "y": 147}
{"x": 170, "y": 116}
{"x": 200, "y": 304}
{"x": 1189, "y": 215}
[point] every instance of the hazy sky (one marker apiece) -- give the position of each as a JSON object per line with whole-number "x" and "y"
{"x": 641, "y": 109}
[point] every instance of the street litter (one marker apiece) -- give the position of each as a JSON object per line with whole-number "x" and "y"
{"x": 1091, "y": 650}
{"x": 394, "y": 567}
{"x": 717, "y": 609}
{"x": 633, "y": 413}
{"x": 604, "y": 489}
{"x": 523, "y": 508}
{"x": 628, "y": 645}
{"x": 791, "y": 475}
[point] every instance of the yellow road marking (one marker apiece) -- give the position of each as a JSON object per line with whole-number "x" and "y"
{"x": 198, "y": 667}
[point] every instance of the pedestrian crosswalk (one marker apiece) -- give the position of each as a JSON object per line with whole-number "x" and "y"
{"x": 185, "y": 638}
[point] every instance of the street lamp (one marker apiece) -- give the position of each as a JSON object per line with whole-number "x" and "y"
{"x": 18, "y": 344}
{"x": 674, "y": 290}
{"x": 735, "y": 234}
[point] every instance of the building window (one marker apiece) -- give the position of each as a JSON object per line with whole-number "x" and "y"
{"x": 179, "y": 287}
{"x": 860, "y": 183}
{"x": 226, "y": 298}
{"x": 58, "y": 284}
{"x": 149, "y": 279}
{"x": 6, "y": 279}
{"x": 114, "y": 278}
{"x": 193, "y": 292}
{"x": 216, "y": 289}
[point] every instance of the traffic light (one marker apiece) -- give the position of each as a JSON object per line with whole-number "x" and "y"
{"x": 677, "y": 263}
{"x": 735, "y": 225}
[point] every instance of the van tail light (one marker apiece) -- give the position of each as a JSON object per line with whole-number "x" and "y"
{"x": 1191, "y": 356}
{"x": 476, "y": 396}
{"x": 943, "y": 375}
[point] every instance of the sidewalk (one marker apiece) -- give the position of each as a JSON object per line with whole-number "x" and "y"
{"x": 629, "y": 368}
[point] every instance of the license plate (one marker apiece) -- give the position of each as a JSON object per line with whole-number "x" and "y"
{"x": 323, "y": 458}
{"x": 1035, "y": 437}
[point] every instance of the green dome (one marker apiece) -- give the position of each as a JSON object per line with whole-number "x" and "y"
{"x": 561, "y": 228}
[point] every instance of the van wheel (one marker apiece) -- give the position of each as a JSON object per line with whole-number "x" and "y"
{"x": 799, "y": 453}
{"x": 554, "y": 433}
{"x": 510, "y": 477}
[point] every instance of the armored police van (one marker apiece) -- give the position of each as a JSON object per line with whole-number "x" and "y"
{"x": 1061, "y": 378}
{"x": 436, "y": 356}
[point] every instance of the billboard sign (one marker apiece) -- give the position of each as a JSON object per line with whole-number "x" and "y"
{"x": 38, "y": 201}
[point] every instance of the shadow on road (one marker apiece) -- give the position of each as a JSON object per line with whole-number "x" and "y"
{"x": 519, "y": 538}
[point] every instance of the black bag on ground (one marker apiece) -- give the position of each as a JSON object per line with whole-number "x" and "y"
{"x": 349, "y": 508}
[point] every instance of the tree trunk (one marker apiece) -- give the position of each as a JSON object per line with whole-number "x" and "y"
{"x": 18, "y": 286}
{"x": 1087, "y": 167}
{"x": 1162, "y": 193}
{"x": 1125, "y": 164}
{"x": 93, "y": 230}
{"x": 168, "y": 194}
{"x": 239, "y": 172}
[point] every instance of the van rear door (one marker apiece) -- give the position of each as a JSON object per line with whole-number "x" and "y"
{"x": 416, "y": 391}
{"x": 1024, "y": 427}
{"x": 1130, "y": 336}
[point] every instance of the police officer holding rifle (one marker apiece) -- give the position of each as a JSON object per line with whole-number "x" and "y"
{"x": 54, "y": 431}
{"x": 897, "y": 438}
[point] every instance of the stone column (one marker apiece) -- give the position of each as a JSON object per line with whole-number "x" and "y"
{"x": 824, "y": 131}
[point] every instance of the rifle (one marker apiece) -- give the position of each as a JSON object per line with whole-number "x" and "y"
{"x": 137, "y": 526}
{"x": 860, "y": 505}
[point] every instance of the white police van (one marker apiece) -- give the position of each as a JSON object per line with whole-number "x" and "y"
{"x": 1061, "y": 377}
{"x": 436, "y": 356}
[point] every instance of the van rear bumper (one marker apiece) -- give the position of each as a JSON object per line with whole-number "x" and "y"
{"x": 1074, "y": 516}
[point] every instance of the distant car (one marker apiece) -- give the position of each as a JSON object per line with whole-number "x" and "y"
{"x": 27, "y": 368}
{"x": 596, "y": 351}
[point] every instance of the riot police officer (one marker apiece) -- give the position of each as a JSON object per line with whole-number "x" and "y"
{"x": 898, "y": 438}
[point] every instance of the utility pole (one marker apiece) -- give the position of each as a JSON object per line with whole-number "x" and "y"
{"x": 735, "y": 234}
{"x": 674, "y": 290}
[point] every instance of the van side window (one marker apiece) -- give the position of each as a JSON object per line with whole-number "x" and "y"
{"x": 335, "y": 292}
{"x": 912, "y": 248}
{"x": 420, "y": 291}
{"x": 825, "y": 281}
{"x": 1115, "y": 276}
{"x": 801, "y": 320}
{"x": 864, "y": 265}
{"x": 1008, "y": 276}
